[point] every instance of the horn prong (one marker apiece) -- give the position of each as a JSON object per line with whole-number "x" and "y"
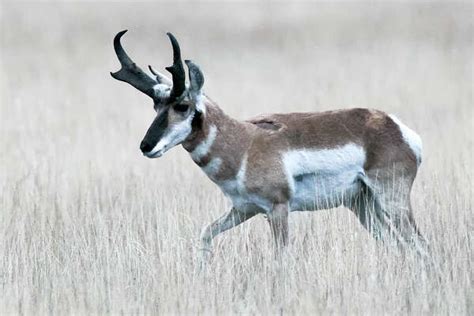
{"x": 152, "y": 70}
{"x": 161, "y": 78}
{"x": 130, "y": 72}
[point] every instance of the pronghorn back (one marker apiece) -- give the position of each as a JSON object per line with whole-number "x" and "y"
{"x": 322, "y": 155}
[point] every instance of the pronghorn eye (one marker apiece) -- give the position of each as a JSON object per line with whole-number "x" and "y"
{"x": 181, "y": 107}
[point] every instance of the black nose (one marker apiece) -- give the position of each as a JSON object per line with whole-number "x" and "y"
{"x": 145, "y": 147}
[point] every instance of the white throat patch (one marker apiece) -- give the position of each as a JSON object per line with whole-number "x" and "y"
{"x": 203, "y": 148}
{"x": 213, "y": 167}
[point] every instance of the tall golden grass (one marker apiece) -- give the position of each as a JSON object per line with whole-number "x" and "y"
{"x": 88, "y": 225}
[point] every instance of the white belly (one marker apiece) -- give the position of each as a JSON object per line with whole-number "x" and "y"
{"x": 320, "y": 179}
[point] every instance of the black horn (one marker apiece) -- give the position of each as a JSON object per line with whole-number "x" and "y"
{"x": 130, "y": 72}
{"x": 176, "y": 70}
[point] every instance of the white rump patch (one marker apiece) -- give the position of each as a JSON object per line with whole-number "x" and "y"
{"x": 203, "y": 148}
{"x": 411, "y": 138}
{"x": 321, "y": 178}
{"x": 173, "y": 136}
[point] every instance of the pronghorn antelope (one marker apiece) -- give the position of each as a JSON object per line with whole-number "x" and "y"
{"x": 274, "y": 164}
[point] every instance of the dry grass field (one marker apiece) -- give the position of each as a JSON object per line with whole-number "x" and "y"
{"x": 88, "y": 225}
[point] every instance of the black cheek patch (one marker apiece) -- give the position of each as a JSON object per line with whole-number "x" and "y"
{"x": 196, "y": 123}
{"x": 156, "y": 130}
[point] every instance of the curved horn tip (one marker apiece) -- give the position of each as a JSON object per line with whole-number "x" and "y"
{"x": 171, "y": 37}
{"x": 174, "y": 42}
{"x": 120, "y": 34}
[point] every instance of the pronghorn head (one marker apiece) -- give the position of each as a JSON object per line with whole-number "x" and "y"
{"x": 177, "y": 106}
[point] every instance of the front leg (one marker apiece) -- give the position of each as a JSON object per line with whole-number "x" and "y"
{"x": 278, "y": 220}
{"x": 227, "y": 221}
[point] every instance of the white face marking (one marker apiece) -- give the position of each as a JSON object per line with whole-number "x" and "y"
{"x": 410, "y": 137}
{"x": 162, "y": 90}
{"x": 172, "y": 137}
{"x": 203, "y": 148}
{"x": 318, "y": 178}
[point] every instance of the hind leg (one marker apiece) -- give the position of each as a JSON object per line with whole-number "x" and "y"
{"x": 383, "y": 207}
{"x": 391, "y": 191}
{"x": 399, "y": 215}
{"x": 364, "y": 205}
{"x": 386, "y": 219}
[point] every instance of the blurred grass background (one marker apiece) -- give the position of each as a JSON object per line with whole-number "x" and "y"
{"x": 89, "y": 225}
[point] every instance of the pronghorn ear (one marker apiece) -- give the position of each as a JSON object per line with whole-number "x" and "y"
{"x": 196, "y": 79}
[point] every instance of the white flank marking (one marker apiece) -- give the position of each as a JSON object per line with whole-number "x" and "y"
{"x": 322, "y": 176}
{"x": 410, "y": 137}
{"x": 203, "y": 148}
